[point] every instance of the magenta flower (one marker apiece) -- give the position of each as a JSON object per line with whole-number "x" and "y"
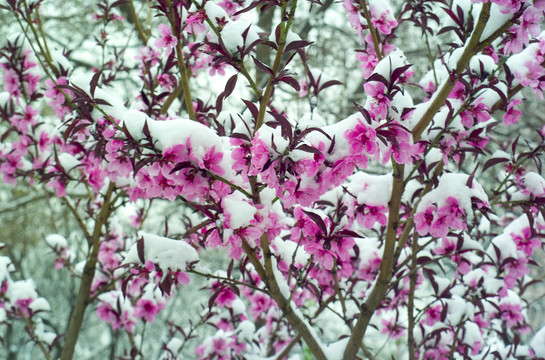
{"x": 11, "y": 83}
{"x": 392, "y": 329}
{"x": 382, "y": 19}
{"x": 453, "y": 213}
{"x": 23, "y": 305}
{"x": 372, "y": 214}
{"x": 439, "y": 228}
{"x": 321, "y": 255}
{"x": 525, "y": 242}
{"x": 379, "y": 101}
{"x": 106, "y": 312}
{"x": 424, "y": 220}
{"x": 354, "y": 19}
{"x": 260, "y": 155}
{"x": 362, "y": 138}
{"x": 166, "y": 39}
{"x": 146, "y": 309}
{"x": 512, "y": 115}
{"x": 433, "y": 315}
{"x": 447, "y": 246}
{"x": 511, "y": 314}
{"x": 211, "y": 161}
{"x": 195, "y": 22}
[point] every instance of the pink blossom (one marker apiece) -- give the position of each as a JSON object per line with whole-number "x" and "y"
{"x": 453, "y": 213}
{"x": 458, "y": 91}
{"x": 383, "y": 19}
{"x": 11, "y": 83}
{"x": 106, "y": 312}
{"x": 478, "y": 111}
{"x": 368, "y": 63}
{"x": 211, "y": 161}
{"x": 229, "y": 6}
{"x": 362, "y": 138}
{"x": 372, "y": 214}
{"x": 512, "y": 114}
{"x": 511, "y": 314}
{"x": 147, "y": 57}
{"x": 182, "y": 278}
{"x": 147, "y": 309}
{"x": 58, "y": 186}
{"x": 354, "y": 19}
{"x": 379, "y": 101}
{"x": 392, "y": 329}
{"x": 433, "y": 315}
{"x": 166, "y": 39}
{"x": 321, "y": 255}
{"x": 525, "y": 242}
{"x": 23, "y": 305}
{"x": 260, "y": 156}
{"x": 531, "y": 75}
{"x": 508, "y": 6}
{"x": 439, "y": 228}
{"x": 447, "y": 247}
{"x": 424, "y": 220}
{"x": 195, "y": 22}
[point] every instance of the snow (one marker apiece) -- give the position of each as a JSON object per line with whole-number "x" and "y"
{"x": 56, "y": 241}
{"x": 6, "y": 266}
{"x": 458, "y": 308}
{"x": 61, "y": 60}
{"x": 337, "y": 130}
{"x": 372, "y": 190}
{"x": 173, "y": 132}
{"x": 442, "y": 283}
{"x": 290, "y": 37}
{"x": 452, "y": 183}
{"x": 4, "y": 97}
{"x": 240, "y": 211}
{"x": 335, "y": 351}
{"x": 490, "y": 97}
{"x": 269, "y": 135}
{"x": 504, "y": 242}
{"x": 246, "y": 330}
{"x": 22, "y": 289}
{"x": 214, "y": 12}
{"x": 286, "y": 251}
{"x": 498, "y": 154}
{"x": 44, "y": 336}
{"x": 68, "y": 161}
{"x": 389, "y": 63}
{"x": 472, "y": 333}
{"x": 534, "y": 183}
{"x": 174, "y": 345}
{"x": 497, "y": 19}
{"x": 116, "y": 109}
{"x": 538, "y": 343}
{"x": 232, "y": 35}
{"x": 40, "y": 304}
{"x": 238, "y": 307}
{"x": 487, "y": 62}
{"x": 134, "y": 120}
{"x": 167, "y": 253}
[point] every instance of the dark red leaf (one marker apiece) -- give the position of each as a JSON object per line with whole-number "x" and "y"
{"x": 317, "y": 219}
{"x": 94, "y": 82}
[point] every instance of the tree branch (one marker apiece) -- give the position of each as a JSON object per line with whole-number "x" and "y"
{"x": 82, "y": 301}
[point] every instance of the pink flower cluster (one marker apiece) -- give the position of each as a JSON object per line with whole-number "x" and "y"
{"x": 382, "y": 17}
{"x": 437, "y": 222}
{"x": 163, "y": 180}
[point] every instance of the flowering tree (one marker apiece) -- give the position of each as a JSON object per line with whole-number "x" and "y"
{"x": 414, "y": 218}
